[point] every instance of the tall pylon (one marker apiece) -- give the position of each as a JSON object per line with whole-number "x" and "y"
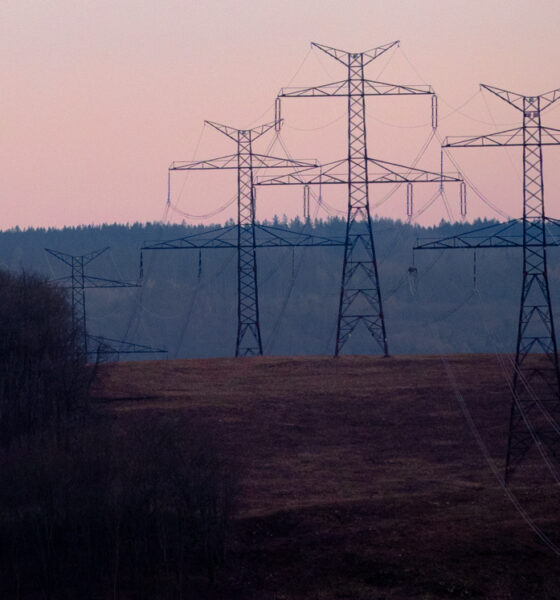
{"x": 79, "y": 281}
{"x": 244, "y": 161}
{"x": 360, "y": 291}
{"x": 535, "y": 408}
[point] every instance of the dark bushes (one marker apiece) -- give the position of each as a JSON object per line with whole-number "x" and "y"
{"x": 140, "y": 513}
{"x": 43, "y": 375}
{"x": 92, "y": 506}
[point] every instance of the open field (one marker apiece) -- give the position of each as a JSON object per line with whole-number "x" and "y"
{"x": 361, "y": 477}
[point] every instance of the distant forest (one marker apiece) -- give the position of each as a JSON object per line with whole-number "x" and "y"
{"x": 188, "y": 302}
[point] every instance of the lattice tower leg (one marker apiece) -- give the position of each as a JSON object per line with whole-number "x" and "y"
{"x": 248, "y": 329}
{"x": 360, "y": 294}
{"x": 536, "y": 382}
{"x": 79, "y": 299}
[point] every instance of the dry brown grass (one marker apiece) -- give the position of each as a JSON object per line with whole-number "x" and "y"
{"x": 361, "y": 479}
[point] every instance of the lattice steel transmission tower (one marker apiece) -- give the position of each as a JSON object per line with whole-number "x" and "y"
{"x": 535, "y": 408}
{"x": 249, "y": 235}
{"x": 360, "y": 291}
{"x": 79, "y": 282}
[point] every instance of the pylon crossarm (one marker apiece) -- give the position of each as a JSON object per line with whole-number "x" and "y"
{"x": 550, "y": 136}
{"x": 313, "y": 175}
{"x": 65, "y": 258}
{"x": 256, "y": 132}
{"x": 509, "y": 137}
{"x": 68, "y": 258}
{"x": 221, "y": 162}
{"x": 342, "y": 55}
{"x": 273, "y": 237}
{"x": 265, "y": 237}
{"x": 222, "y": 237}
{"x": 337, "y": 88}
{"x": 409, "y": 174}
{"x": 549, "y": 98}
{"x": 499, "y": 235}
{"x": 340, "y": 88}
{"x": 512, "y": 98}
{"x": 262, "y": 161}
{"x": 336, "y": 172}
{"x": 380, "y": 88}
{"x": 231, "y": 132}
{"x": 110, "y": 346}
{"x": 99, "y": 282}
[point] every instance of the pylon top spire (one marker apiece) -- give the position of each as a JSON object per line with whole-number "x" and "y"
{"x": 518, "y": 101}
{"x": 234, "y": 133}
{"x": 343, "y": 56}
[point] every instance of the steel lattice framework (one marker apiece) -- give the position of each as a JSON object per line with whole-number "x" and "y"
{"x": 79, "y": 281}
{"x": 249, "y": 235}
{"x": 360, "y": 292}
{"x": 535, "y": 409}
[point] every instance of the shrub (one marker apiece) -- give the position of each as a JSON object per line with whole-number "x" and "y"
{"x": 43, "y": 373}
{"x": 140, "y": 512}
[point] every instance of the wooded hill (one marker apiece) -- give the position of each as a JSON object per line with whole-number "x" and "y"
{"x": 188, "y": 302}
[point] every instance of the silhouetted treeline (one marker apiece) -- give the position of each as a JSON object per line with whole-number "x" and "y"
{"x": 140, "y": 510}
{"x": 90, "y": 506}
{"x": 44, "y": 380}
{"x": 188, "y": 301}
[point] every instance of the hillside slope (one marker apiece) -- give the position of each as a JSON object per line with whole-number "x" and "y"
{"x": 361, "y": 476}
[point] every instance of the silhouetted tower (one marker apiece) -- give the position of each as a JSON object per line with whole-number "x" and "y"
{"x": 245, "y": 161}
{"x": 360, "y": 292}
{"x": 79, "y": 282}
{"x": 535, "y": 408}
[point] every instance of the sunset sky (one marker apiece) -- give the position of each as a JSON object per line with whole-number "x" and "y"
{"x": 99, "y": 97}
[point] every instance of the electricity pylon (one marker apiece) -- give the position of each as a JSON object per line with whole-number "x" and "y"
{"x": 244, "y": 161}
{"x": 360, "y": 292}
{"x": 79, "y": 282}
{"x": 535, "y": 409}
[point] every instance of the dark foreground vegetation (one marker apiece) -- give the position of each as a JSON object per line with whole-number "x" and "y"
{"x": 141, "y": 513}
{"x": 91, "y": 507}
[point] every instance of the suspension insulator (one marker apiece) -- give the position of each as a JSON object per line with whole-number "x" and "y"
{"x": 277, "y": 115}
{"x": 441, "y": 170}
{"x": 306, "y": 201}
{"x": 168, "y": 188}
{"x": 434, "y": 112}
{"x": 463, "y": 198}
{"x": 409, "y": 200}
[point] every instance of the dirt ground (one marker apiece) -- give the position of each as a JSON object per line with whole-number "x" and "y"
{"x": 361, "y": 476}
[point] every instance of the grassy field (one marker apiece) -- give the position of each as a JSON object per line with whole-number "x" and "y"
{"x": 361, "y": 478}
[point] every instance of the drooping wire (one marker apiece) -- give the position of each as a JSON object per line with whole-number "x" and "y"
{"x": 484, "y": 450}
{"x": 453, "y": 108}
{"x": 193, "y": 299}
{"x": 469, "y": 182}
{"x": 213, "y": 213}
{"x": 513, "y": 167}
{"x": 170, "y": 204}
{"x": 417, "y": 159}
{"x": 270, "y": 106}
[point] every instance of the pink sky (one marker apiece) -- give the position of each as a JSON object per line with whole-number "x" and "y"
{"x": 99, "y": 97}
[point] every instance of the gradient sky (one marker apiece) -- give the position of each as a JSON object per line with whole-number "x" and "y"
{"x": 98, "y": 97}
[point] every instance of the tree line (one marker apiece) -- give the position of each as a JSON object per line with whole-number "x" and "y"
{"x": 435, "y": 301}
